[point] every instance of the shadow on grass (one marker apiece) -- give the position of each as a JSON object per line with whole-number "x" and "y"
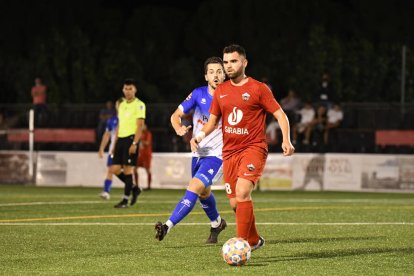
{"x": 332, "y": 254}
{"x": 303, "y": 240}
{"x": 218, "y": 245}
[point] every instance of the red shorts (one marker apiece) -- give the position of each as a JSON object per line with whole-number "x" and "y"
{"x": 247, "y": 164}
{"x": 144, "y": 161}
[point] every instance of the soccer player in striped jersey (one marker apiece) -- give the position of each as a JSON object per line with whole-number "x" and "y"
{"x": 207, "y": 161}
{"x": 108, "y": 137}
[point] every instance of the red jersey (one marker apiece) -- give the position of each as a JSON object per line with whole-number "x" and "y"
{"x": 243, "y": 111}
{"x": 146, "y": 143}
{"x": 39, "y": 94}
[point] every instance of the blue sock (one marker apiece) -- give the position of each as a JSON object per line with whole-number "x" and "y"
{"x": 184, "y": 207}
{"x": 107, "y": 185}
{"x": 210, "y": 207}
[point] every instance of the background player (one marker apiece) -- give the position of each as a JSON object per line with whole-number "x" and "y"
{"x": 242, "y": 103}
{"x": 207, "y": 160}
{"x": 108, "y": 136}
{"x": 144, "y": 156}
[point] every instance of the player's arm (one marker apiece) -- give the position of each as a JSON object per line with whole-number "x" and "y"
{"x": 137, "y": 136}
{"x": 115, "y": 141}
{"x": 104, "y": 143}
{"x": 283, "y": 121}
{"x": 175, "y": 119}
{"x": 208, "y": 128}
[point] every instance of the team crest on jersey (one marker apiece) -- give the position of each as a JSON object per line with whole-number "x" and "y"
{"x": 245, "y": 96}
{"x": 203, "y": 101}
{"x": 250, "y": 167}
{"x": 189, "y": 96}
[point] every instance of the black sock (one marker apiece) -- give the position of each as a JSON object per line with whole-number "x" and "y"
{"x": 121, "y": 176}
{"x": 128, "y": 184}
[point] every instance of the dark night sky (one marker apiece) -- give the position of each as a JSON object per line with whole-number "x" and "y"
{"x": 74, "y": 44}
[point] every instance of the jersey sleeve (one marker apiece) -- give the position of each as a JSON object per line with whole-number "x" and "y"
{"x": 189, "y": 102}
{"x": 141, "y": 110}
{"x": 108, "y": 125}
{"x": 215, "y": 106}
{"x": 267, "y": 100}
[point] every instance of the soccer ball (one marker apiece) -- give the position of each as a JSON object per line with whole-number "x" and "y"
{"x": 236, "y": 251}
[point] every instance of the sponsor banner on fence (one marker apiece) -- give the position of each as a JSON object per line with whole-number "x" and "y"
{"x": 342, "y": 172}
{"x": 72, "y": 169}
{"x": 312, "y": 172}
{"x": 169, "y": 170}
{"x": 308, "y": 172}
{"x": 14, "y": 167}
{"x": 277, "y": 174}
{"x": 387, "y": 172}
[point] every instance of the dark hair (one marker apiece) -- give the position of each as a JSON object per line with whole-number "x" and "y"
{"x": 130, "y": 82}
{"x": 212, "y": 60}
{"x": 234, "y": 48}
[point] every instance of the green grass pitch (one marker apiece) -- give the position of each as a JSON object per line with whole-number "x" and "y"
{"x": 70, "y": 231}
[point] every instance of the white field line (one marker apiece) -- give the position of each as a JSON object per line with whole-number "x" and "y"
{"x": 374, "y": 201}
{"x": 197, "y": 223}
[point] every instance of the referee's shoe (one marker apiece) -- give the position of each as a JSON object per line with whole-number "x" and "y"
{"x": 135, "y": 193}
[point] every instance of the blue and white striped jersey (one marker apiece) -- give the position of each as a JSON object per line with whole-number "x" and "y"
{"x": 111, "y": 125}
{"x": 200, "y": 100}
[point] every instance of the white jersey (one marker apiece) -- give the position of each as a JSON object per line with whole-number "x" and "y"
{"x": 200, "y": 100}
{"x": 335, "y": 116}
{"x": 111, "y": 125}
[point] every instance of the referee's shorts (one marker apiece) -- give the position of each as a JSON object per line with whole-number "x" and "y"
{"x": 121, "y": 152}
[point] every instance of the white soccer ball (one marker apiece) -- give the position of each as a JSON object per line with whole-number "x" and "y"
{"x": 236, "y": 251}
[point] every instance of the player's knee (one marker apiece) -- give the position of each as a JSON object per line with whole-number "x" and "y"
{"x": 205, "y": 194}
{"x": 196, "y": 186}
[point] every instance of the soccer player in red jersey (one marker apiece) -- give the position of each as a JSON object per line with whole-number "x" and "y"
{"x": 242, "y": 103}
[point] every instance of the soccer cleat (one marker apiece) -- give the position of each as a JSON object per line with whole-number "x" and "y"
{"x": 259, "y": 244}
{"x": 161, "y": 230}
{"x": 214, "y": 232}
{"x": 122, "y": 204}
{"x": 135, "y": 193}
{"x": 105, "y": 195}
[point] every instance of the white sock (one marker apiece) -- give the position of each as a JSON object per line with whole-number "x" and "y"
{"x": 216, "y": 223}
{"x": 170, "y": 225}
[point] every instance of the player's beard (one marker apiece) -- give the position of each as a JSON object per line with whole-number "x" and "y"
{"x": 235, "y": 74}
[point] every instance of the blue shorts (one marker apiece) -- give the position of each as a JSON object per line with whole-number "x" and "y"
{"x": 208, "y": 169}
{"x": 109, "y": 161}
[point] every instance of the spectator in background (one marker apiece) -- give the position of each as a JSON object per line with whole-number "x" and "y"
{"x": 38, "y": 93}
{"x": 144, "y": 156}
{"x": 290, "y": 105}
{"x": 307, "y": 114}
{"x": 272, "y": 136}
{"x": 316, "y": 126}
{"x": 104, "y": 115}
{"x": 326, "y": 93}
{"x": 335, "y": 116}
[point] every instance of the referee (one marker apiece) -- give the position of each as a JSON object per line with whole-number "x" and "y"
{"x": 131, "y": 115}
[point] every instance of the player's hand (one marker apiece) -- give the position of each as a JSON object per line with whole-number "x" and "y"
{"x": 182, "y": 130}
{"x": 132, "y": 149}
{"x": 288, "y": 148}
{"x": 194, "y": 145}
{"x": 100, "y": 154}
